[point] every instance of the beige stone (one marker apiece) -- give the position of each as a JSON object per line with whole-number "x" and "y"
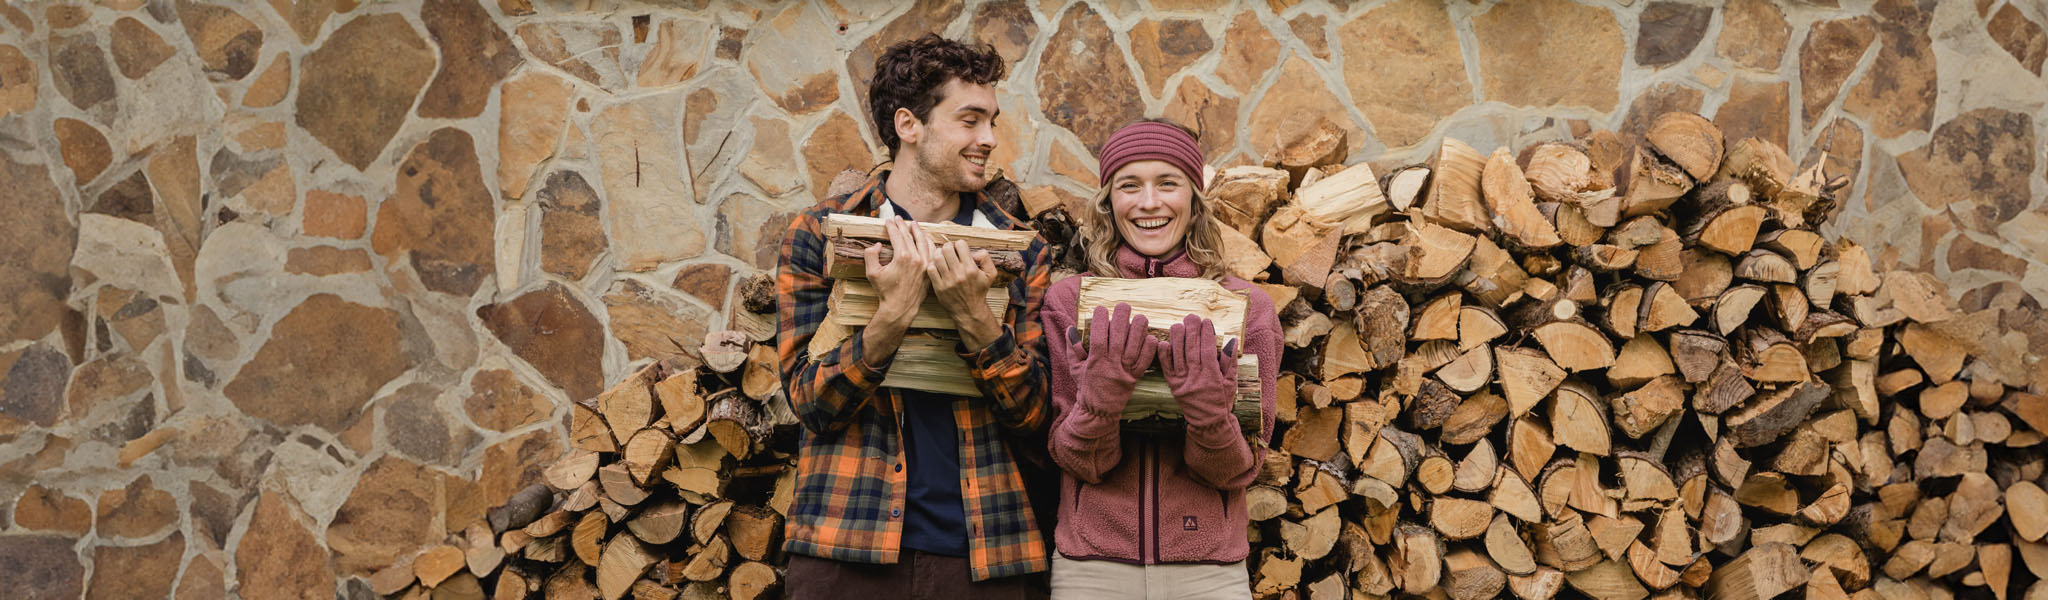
{"x": 1753, "y": 34}
{"x": 339, "y": 216}
{"x": 65, "y": 16}
{"x": 587, "y": 51}
{"x": 268, "y": 135}
{"x": 1078, "y": 167}
{"x": 307, "y": 16}
{"x": 1755, "y": 109}
{"x": 2019, "y": 36}
{"x": 648, "y": 208}
{"x": 137, "y": 49}
{"x": 752, "y": 228}
{"x": 835, "y": 146}
{"x": 1249, "y": 51}
{"x": 203, "y": 579}
{"x": 136, "y": 571}
{"x": 45, "y": 509}
{"x": 1404, "y": 69}
{"x": 1212, "y": 117}
{"x": 499, "y": 401}
{"x": 1302, "y": 104}
{"x": 1965, "y": 253}
{"x": 35, "y": 261}
{"x": 1896, "y": 94}
{"x": 551, "y": 330}
{"x": 653, "y": 323}
{"x": 329, "y": 353}
{"x": 706, "y": 282}
{"x": 270, "y": 87}
{"x": 771, "y": 161}
{"x": 679, "y": 46}
{"x": 1310, "y": 29}
{"x": 227, "y": 43}
{"x": 1709, "y": 75}
{"x": 1825, "y": 61}
{"x": 321, "y": 261}
{"x": 279, "y": 558}
{"x": 1550, "y": 53}
{"x": 533, "y": 109}
{"x": 357, "y": 87}
{"x": 174, "y": 174}
{"x": 475, "y": 56}
{"x": 1976, "y": 165}
{"x": 1165, "y": 47}
{"x": 1084, "y": 85}
{"x": 18, "y": 77}
{"x": 84, "y": 148}
{"x": 440, "y": 216}
{"x": 571, "y": 232}
{"x": 1666, "y": 32}
{"x": 793, "y": 68}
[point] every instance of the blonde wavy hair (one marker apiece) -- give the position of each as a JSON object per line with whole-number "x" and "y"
{"x": 1203, "y": 242}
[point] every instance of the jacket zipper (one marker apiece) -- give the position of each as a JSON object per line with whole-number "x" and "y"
{"x": 1152, "y": 502}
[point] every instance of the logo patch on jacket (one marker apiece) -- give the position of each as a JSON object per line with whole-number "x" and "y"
{"x": 1188, "y": 523}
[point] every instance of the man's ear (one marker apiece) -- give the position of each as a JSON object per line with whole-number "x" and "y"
{"x": 907, "y": 126}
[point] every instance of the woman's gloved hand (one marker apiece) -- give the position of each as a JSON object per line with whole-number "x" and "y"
{"x": 1118, "y": 351}
{"x": 1203, "y": 378}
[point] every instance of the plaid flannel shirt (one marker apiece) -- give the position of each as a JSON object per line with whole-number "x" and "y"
{"x": 850, "y": 468}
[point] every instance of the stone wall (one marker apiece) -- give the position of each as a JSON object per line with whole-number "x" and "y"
{"x": 299, "y": 287}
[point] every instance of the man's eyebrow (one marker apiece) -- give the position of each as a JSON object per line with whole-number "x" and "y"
{"x": 978, "y": 109}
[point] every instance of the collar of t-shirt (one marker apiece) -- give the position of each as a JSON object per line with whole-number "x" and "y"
{"x": 970, "y": 213}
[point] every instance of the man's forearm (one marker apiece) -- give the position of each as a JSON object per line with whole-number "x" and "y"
{"x": 884, "y": 333}
{"x": 977, "y": 328}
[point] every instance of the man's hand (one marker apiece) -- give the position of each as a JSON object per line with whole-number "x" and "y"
{"x": 901, "y": 285}
{"x": 961, "y": 276}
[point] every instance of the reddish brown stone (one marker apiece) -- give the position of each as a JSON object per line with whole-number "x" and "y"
{"x": 475, "y": 56}
{"x": 1005, "y": 24}
{"x": 1965, "y": 253}
{"x": 1667, "y": 32}
{"x": 333, "y": 215}
{"x": 1213, "y": 117}
{"x": 106, "y": 380}
{"x": 137, "y": 49}
{"x": 228, "y": 44}
{"x": 2019, "y": 36}
{"x": 42, "y": 566}
{"x": 85, "y": 149}
{"x": 834, "y": 147}
{"x": 136, "y": 571}
{"x": 1659, "y": 99}
{"x": 1825, "y": 61}
{"x": 328, "y": 353}
{"x": 66, "y": 16}
{"x": 1896, "y": 94}
{"x": 45, "y": 509}
{"x": 533, "y": 109}
{"x": 32, "y": 382}
{"x": 1755, "y": 109}
{"x": 79, "y": 71}
{"x": 1248, "y": 52}
{"x": 279, "y": 557}
{"x": 136, "y": 511}
{"x": 1843, "y": 142}
{"x": 321, "y": 261}
{"x": 18, "y": 80}
{"x": 1409, "y": 73}
{"x": 706, "y": 282}
{"x": 174, "y": 174}
{"x": 571, "y": 234}
{"x": 552, "y": 331}
{"x": 1309, "y": 28}
{"x": 1982, "y": 157}
{"x": 1164, "y": 47}
{"x": 513, "y": 464}
{"x": 213, "y": 512}
{"x": 129, "y": 199}
{"x": 925, "y": 16}
{"x": 1305, "y": 102}
{"x": 269, "y": 88}
{"x": 357, "y": 87}
{"x": 204, "y": 579}
{"x": 1550, "y": 52}
{"x": 652, "y": 323}
{"x": 1083, "y": 83}
{"x": 307, "y": 16}
{"x": 16, "y": 17}
{"x": 441, "y": 214}
{"x": 263, "y": 182}
{"x": 589, "y": 51}
{"x": 499, "y": 401}
{"x": 391, "y": 512}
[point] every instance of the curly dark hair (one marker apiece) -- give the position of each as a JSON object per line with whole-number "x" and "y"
{"x": 911, "y": 75}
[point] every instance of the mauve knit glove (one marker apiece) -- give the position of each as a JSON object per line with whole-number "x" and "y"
{"x": 1202, "y": 378}
{"x": 1118, "y": 352}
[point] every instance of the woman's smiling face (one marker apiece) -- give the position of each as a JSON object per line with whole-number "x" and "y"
{"x": 1150, "y": 200}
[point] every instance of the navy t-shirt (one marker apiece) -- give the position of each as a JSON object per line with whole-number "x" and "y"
{"x": 936, "y": 521}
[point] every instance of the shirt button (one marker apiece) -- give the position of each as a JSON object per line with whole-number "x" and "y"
{"x": 895, "y": 512}
{"x": 899, "y": 467}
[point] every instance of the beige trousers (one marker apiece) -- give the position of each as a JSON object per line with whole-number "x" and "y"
{"x": 1111, "y": 580}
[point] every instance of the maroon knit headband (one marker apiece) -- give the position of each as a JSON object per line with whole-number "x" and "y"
{"x": 1151, "y": 140}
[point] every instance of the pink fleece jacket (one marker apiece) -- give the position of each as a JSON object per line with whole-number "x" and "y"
{"x": 1159, "y": 499}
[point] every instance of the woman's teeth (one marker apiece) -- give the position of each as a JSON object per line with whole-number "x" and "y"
{"x": 1151, "y": 223}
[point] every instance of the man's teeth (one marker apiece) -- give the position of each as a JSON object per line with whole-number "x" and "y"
{"x": 978, "y": 161}
{"x": 1151, "y": 223}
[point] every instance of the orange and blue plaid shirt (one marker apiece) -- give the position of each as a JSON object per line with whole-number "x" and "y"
{"x": 851, "y": 485}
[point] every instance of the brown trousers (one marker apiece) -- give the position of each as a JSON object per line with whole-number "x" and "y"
{"x": 915, "y": 576}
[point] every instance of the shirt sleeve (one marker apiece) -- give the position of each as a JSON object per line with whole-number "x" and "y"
{"x": 1011, "y": 371}
{"x": 827, "y": 389}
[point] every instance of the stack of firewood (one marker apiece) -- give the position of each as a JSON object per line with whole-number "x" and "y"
{"x": 1580, "y": 369}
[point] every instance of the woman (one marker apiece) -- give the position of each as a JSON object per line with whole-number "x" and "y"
{"x": 1153, "y": 516}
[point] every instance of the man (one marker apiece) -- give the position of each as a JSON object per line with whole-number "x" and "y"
{"x": 903, "y": 493}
